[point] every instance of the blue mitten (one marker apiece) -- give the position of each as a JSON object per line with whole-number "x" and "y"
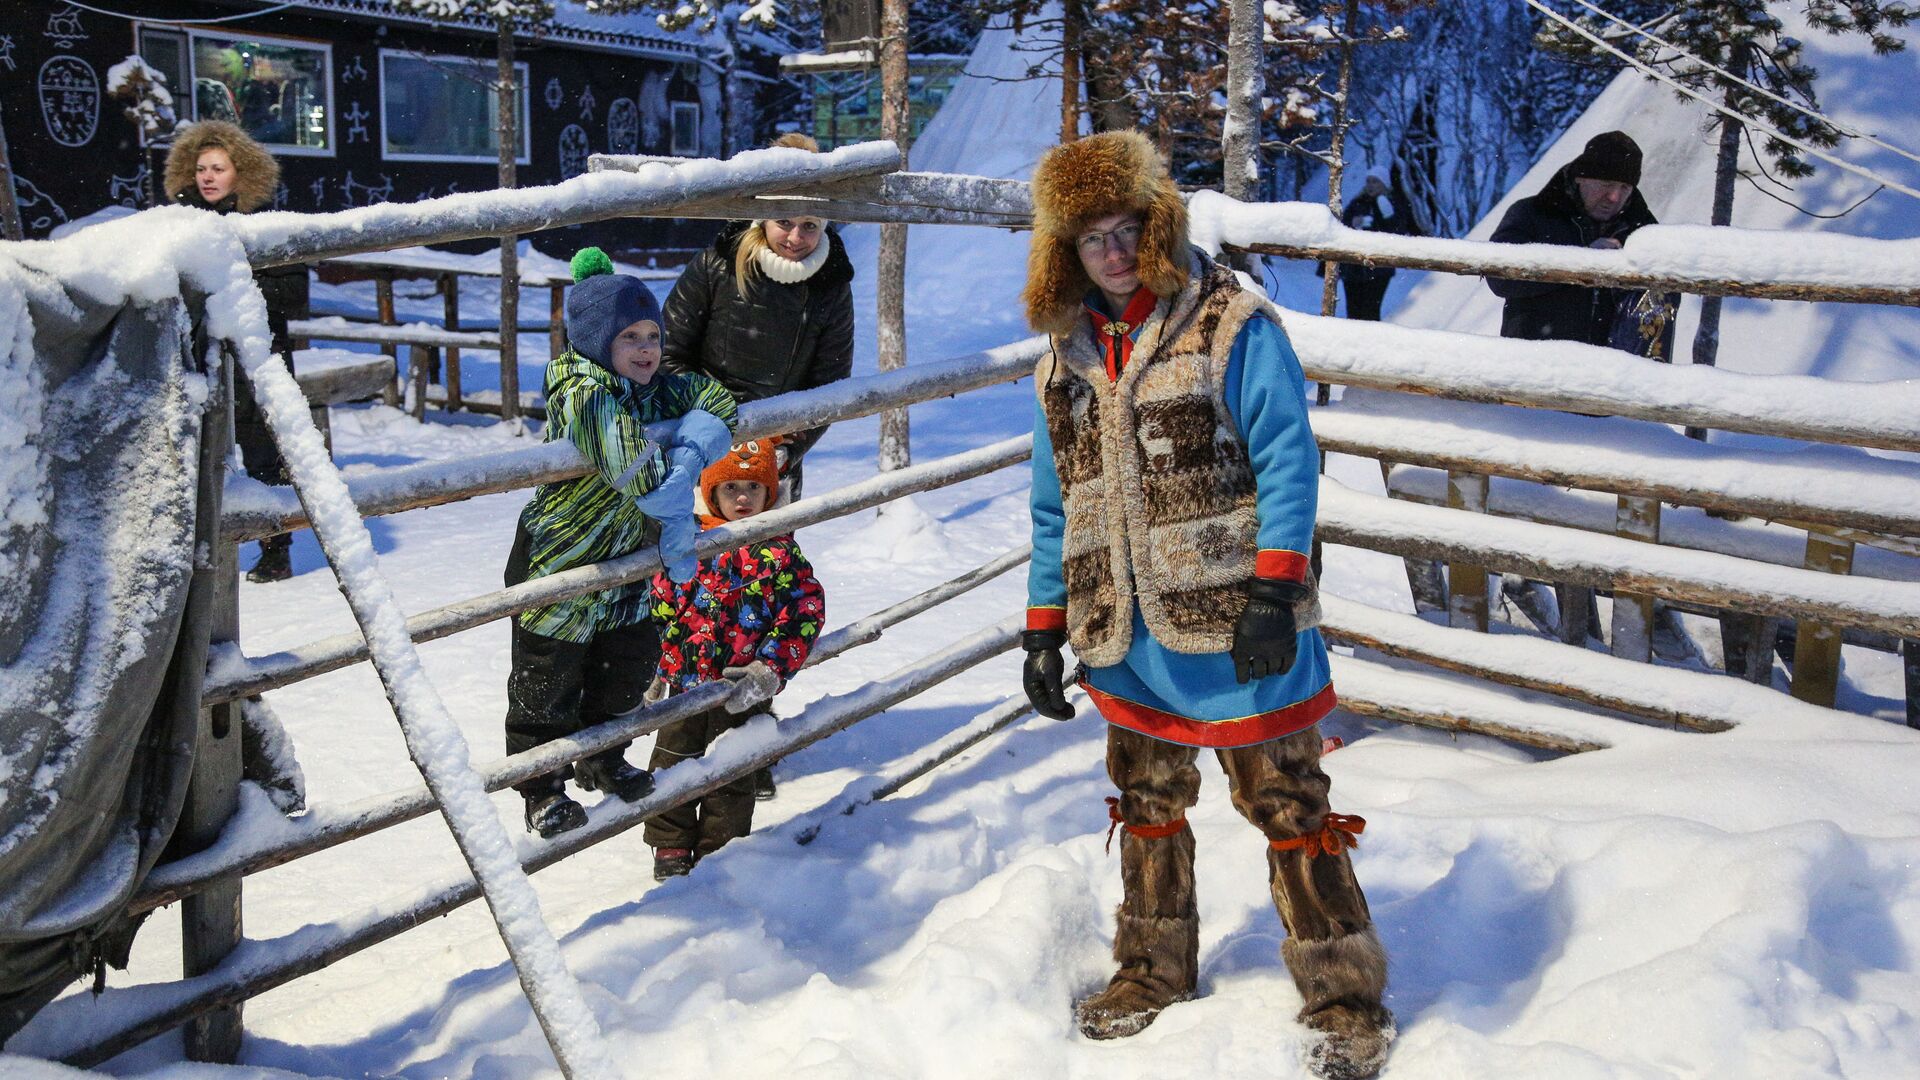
{"x": 676, "y": 547}
{"x": 673, "y": 496}
{"x": 706, "y": 434}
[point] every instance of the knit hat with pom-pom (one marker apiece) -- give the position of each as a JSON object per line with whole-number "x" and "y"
{"x": 603, "y": 303}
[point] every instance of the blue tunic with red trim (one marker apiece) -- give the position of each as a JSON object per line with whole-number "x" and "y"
{"x": 1193, "y": 698}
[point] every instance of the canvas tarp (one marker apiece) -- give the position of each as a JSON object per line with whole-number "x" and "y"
{"x": 101, "y": 512}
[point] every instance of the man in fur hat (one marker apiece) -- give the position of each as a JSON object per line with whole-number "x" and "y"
{"x": 1174, "y": 488}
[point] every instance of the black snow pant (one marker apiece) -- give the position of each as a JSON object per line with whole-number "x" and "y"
{"x": 705, "y": 825}
{"x": 560, "y": 687}
{"x": 258, "y": 451}
{"x": 1364, "y": 297}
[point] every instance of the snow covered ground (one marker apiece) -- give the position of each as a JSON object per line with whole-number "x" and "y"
{"x": 1744, "y": 904}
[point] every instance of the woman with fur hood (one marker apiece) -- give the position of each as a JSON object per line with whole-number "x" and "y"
{"x": 215, "y": 166}
{"x": 1174, "y": 491}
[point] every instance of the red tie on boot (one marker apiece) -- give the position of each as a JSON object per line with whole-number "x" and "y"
{"x": 1150, "y": 832}
{"x": 1336, "y": 834}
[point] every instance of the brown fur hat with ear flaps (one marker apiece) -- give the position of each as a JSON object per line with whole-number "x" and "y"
{"x": 255, "y": 173}
{"x": 1115, "y": 172}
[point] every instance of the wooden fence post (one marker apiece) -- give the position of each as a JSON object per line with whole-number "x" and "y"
{"x": 1910, "y": 655}
{"x": 1638, "y": 519}
{"x": 509, "y": 329}
{"x": 210, "y": 920}
{"x": 450, "y": 288}
{"x": 417, "y": 358}
{"x": 1746, "y": 645}
{"x": 383, "y": 296}
{"x": 1467, "y": 585}
{"x": 1816, "y": 647}
{"x": 557, "y": 322}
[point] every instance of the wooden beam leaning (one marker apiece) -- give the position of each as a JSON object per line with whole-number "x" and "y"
{"x": 260, "y": 674}
{"x": 258, "y": 511}
{"x": 276, "y": 239}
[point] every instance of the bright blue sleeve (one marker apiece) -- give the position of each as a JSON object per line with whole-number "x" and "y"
{"x": 1266, "y": 393}
{"x": 1046, "y": 586}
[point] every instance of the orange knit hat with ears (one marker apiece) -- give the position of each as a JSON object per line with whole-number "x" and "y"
{"x": 751, "y": 460}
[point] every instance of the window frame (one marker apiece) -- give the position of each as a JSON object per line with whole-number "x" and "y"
{"x": 524, "y": 99}
{"x": 674, "y": 146}
{"x": 324, "y": 48}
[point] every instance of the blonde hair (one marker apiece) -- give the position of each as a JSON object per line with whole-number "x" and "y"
{"x": 746, "y": 256}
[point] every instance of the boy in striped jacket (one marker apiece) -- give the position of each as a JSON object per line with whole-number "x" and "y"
{"x": 582, "y": 661}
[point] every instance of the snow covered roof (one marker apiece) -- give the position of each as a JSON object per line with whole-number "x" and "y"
{"x": 636, "y": 34}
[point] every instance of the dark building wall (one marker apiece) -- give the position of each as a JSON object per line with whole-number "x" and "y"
{"x": 74, "y": 151}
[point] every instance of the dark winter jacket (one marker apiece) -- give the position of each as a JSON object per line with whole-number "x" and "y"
{"x": 1544, "y": 311}
{"x": 758, "y": 602}
{"x": 1364, "y": 213}
{"x": 285, "y": 288}
{"x": 772, "y": 339}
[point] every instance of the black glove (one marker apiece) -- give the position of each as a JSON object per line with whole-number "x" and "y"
{"x": 1042, "y": 676}
{"x": 1264, "y": 641}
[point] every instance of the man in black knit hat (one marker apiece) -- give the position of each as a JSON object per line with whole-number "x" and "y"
{"x": 1593, "y": 201}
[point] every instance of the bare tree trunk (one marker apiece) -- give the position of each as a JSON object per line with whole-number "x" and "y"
{"x": 895, "y": 451}
{"x": 1072, "y": 16}
{"x": 1337, "y": 166}
{"x": 1240, "y": 134}
{"x": 9, "y": 202}
{"x": 1706, "y": 339}
{"x": 509, "y": 136}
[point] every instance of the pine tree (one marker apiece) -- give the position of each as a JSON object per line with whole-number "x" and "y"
{"x": 1746, "y": 40}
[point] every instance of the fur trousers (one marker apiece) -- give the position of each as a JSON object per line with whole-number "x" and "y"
{"x": 1331, "y": 949}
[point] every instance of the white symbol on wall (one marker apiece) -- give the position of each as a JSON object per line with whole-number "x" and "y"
{"x": 355, "y": 193}
{"x": 573, "y": 151}
{"x": 356, "y": 118}
{"x": 6, "y": 50}
{"x": 587, "y": 103}
{"x": 623, "y": 127}
{"x": 129, "y": 190}
{"x": 353, "y": 71}
{"x": 38, "y": 211}
{"x": 64, "y": 28}
{"x": 554, "y": 93}
{"x": 69, "y": 100}
{"x": 280, "y": 196}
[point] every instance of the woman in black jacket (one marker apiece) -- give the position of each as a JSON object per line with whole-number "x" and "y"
{"x": 767, "y": 308}
{"x": 213, "y": 165}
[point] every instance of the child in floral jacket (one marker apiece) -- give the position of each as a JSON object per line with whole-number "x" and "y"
{"x": 751, "y": 613}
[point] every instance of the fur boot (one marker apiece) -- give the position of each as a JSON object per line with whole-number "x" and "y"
{"x": 1156, "y": 940}
{"x": 1342, "y": 980}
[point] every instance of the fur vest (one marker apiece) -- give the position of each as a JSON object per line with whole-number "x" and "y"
{"x": 1155, "y": 481}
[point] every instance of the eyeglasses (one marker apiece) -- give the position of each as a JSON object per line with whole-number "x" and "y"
{"x": 1125, "y": 237}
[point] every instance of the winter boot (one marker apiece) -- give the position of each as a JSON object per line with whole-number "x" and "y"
{"x": 276, "y": 560}
{"x": 1157, "y": 936}
{"x": 1352, "y": 1044}
{"x": 551, "y": 813}
{"x": 612, "y": 774}
{"x": 763, "y": 784}
{"x": 671, "y": 862}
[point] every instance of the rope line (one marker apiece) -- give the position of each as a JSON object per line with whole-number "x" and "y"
{"x": 1845, "y": 129}
{"x": 1658, "y": 76}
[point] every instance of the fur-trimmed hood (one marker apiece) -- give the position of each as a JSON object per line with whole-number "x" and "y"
{"x": 1111, "y": 173}
{"x": 256, "y": 173}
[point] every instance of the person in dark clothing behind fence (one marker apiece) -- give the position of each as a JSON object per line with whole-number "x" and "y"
{"x": 215, "y": 166}
{"x": 1593, "y": 201}
{"x": 1373, "y": 210}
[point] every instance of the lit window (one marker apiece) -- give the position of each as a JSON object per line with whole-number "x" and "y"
{"x": 277, "y": 89}
{"x": 686, "y": 129}
{"x": 445, "y": 108}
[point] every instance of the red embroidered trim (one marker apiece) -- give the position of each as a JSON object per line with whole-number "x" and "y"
{"x": 1046, "y": 618}
{"x": 1280, "y": 565}
{"x": 1336, "y": 834}
{"x": 1216, "y": 734}
{"x": 1150, "y": 832}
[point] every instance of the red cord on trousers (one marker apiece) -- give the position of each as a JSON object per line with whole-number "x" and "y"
{"x": 1336, "y": 834}
{"x": 1150, "y": 832}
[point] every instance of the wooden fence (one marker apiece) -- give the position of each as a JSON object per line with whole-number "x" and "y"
{"x": 1467, "y": 520}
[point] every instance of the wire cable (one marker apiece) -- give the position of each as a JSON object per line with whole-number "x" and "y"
{"x": 1869, "y": 174}
{"x": 1844, "y": 129}
{"x": 181, "y": 22}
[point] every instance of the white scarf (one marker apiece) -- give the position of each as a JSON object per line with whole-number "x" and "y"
{"x": 792, "y": 271}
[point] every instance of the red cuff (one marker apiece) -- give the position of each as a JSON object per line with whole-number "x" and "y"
{"x": 1279, "y": 565}
{"x": 1047, "y": 618}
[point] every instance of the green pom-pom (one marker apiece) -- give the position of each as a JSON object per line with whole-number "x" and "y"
{"x": 588, "y": 262}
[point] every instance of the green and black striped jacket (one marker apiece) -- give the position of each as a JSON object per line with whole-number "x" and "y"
{"x": 593, "y": 518}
